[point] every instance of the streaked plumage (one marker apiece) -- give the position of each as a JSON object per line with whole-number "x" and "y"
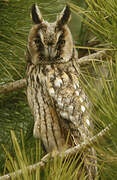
{"x": 56, "y": 98}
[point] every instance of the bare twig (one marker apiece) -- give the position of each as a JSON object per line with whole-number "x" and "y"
{"x": 92, "y": 57}
{"x": 12, "y": 86}
{"x": 92, "y": 140}
{"x": 30, "y": 169}
{"x": 64, "y": 154}
{"x": 22, "y": 82}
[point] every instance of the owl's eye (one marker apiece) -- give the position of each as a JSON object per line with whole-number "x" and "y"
{"x": 38, "y": 40}
{"x": 62, "y": 42}
{"x": 39, "y": 43}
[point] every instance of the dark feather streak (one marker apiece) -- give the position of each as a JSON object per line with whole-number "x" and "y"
{"x": 35, "y": 16}
{"x": 64, "y": 19}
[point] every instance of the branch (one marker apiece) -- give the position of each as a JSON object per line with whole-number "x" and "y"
{"x": 22, "y": 83}
{"x": 30, "y": 169}
{"x": 88, "y": 59}
{"x": 50, "y": 156}
{"x": 12, "y": 86}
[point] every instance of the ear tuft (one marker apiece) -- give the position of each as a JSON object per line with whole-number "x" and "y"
{"x": 64, "y": 16}
{"x": 36, "y": 14}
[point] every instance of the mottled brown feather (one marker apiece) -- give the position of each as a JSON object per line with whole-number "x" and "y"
{"x": 56, "y": 98}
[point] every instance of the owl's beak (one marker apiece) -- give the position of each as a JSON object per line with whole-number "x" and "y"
{"x": 51, "y": 52}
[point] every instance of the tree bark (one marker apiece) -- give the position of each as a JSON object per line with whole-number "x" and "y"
{"x": 12, "y": 86}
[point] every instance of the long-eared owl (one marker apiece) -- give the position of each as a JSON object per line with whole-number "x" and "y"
{"x": 56, "y": 98}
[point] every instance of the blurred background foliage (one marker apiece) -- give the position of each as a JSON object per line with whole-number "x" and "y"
{"x": 94, "y": 27}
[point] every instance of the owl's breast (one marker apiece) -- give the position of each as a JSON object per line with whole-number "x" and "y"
{"x": 46, "y": 126}
{"x": 70, "y": 102}
{"x": 58, "y": 104}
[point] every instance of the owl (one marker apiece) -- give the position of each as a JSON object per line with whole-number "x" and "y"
{"x": 55, "y": 96}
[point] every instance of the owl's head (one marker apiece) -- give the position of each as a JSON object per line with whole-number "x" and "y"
{"x": 50, "y": 41}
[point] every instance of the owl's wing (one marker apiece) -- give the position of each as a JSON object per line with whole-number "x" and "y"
{"x": 71, "y": 105}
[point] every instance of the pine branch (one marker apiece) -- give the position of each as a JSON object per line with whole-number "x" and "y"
{"x": 12, "y": 86}
{"x": 50, "y": 156}
{"x": 92, "y": 57}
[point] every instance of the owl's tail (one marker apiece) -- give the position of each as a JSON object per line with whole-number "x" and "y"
{"x": 87, "y": 165}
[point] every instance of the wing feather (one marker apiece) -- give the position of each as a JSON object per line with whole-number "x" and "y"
{"x": 71, "y": 104}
